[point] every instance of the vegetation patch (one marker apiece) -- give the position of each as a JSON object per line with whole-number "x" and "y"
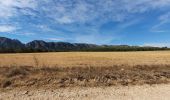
{"x": 57, "y": 77}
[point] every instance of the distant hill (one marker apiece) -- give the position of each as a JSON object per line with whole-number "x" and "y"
{"x": 15, "y": 46}
{"x": 42, "y": 46}
{"x": 9, "y": 45}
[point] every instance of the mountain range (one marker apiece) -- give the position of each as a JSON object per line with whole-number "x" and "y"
{"x": 8, "y": 45}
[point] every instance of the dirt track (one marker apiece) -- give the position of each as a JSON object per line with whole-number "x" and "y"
{"x": 145, "y": 92}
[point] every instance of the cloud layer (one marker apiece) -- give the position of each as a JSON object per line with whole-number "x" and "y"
{"x": 70, "y": 11}
{"x": 7, "y": 28}
{"x": 81, "y": 19}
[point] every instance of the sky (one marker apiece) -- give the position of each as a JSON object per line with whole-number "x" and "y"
{"x": 116, "y": 22}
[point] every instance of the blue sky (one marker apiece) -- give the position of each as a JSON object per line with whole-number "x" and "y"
{"x": 132, "y": 22}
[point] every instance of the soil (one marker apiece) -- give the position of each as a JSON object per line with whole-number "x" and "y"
{"x": 144, "y": 92}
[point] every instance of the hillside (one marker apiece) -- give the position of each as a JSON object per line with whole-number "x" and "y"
{"x": 15, "y": 46}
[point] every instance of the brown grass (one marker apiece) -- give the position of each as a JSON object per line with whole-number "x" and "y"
{"x": 56, "y": 77}
{"x": 55, "y": 70}
{"x": 84, "y": 59}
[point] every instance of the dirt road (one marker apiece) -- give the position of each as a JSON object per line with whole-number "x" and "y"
{"x": 145, "y": 92}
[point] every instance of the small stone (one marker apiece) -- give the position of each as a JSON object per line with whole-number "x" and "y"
{"x": 122, "y": 69}
{"x": 25, "y": 92}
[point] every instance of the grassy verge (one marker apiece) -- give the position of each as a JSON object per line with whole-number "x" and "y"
{"x": 57, "y": 77}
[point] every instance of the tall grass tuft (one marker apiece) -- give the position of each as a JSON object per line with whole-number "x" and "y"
{"x": 36, "y": 62}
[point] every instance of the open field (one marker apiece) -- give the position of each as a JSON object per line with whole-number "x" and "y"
{"x": 70, "y": 69}
{"x": 84, "y": 59}
{"x": 84, "y": 73}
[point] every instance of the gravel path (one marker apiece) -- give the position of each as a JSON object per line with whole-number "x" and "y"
{"x": 145, "y": 92}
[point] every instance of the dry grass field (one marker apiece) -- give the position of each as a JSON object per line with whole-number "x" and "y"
{"x": 84, "y": 59}
{"x": 76, "y": 70}
{"x": 69, "y": 69}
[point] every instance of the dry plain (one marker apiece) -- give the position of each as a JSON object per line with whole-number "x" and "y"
{"x": 84, "y": 59}
{"x": 85, "y": 75}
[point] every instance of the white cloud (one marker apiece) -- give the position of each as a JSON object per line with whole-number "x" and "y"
{"x": 81, "y": 11}
{"x": 95, "y": 12}
{"x": 43, "y": 27}
{"x": 94, "y": 38}
{"x": 129, "y": 23}
{"x": 163, "y": 20}
{"x": 157, "y": 44}
{"x": 27, "y": 33}
{"x": 8, "y": 8}
{"x": 55, "y": 39}
{"x": 65, "y": 20}
{"x": 7, "y": 28}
